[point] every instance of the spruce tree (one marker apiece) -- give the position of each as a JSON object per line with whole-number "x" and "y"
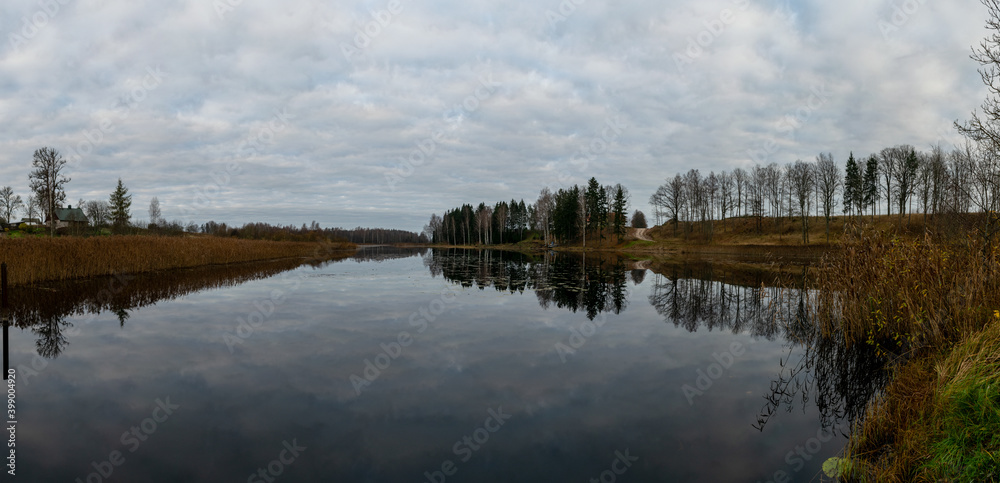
{"x": 120, "y": 202}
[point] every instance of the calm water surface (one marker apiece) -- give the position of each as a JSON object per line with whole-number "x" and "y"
{"x": 426, "y": 366}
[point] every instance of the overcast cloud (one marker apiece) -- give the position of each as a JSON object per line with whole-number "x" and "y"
{"x": 254, "y": 110}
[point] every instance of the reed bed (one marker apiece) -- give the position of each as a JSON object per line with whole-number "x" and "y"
{"x": 905, "y": 294}
{"x": 931, "y": 305}
{"x": 31, "y": 260}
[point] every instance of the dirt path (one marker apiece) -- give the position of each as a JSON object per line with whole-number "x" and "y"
{"x": 640, "y": 233}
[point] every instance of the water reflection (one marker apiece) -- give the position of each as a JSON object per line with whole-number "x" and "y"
{"x": 839, "y": 380}
{"x": 494, "y": 347}
{"x": 593, "y": 284}
{"x": 381, "y": 253}
{"x": 44, "y": 308}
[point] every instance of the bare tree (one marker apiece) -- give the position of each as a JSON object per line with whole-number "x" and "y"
{"x": 802, "y": 184}
{"x": 154, "y": 212}
{"x": 32, "y": 209}
{"x": 986, "y": 129}
{"x": 433, "y": 229}
{"x": 938, "y": 176}
{"x": 828, "y": 183}
{"x": 47, "y": 182}
{"x": 98, "y": 212}
{"x": 9, "y": 203}
{"x": 741, "y": 179}
{"x": 905, "y": 166}
{"x": 758, "y": 183}
{"x": 726, "y": 186}
{"x": 773, "y": 179}
{"x": 659, "y": 201}
{"x": 888, "y": 163}
{"x": 675, "y": 200}
{"x": 694, "y": 195}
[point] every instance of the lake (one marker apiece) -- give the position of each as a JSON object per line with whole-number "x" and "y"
{"x": 429, "y": 366}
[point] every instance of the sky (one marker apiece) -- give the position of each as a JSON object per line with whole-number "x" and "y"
{"x": 379, "y": 113}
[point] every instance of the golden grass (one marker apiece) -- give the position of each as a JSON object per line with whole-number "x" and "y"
{"x": 32, "y": 260}
{"x": 788, "y": 230}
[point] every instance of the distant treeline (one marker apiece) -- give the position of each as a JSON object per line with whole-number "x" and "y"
{"x": 312, "y": 232}
{"x": 596, "y": 212}
{"x": 899, "y": 180}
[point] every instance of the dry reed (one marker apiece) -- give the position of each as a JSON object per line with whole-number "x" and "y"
{"x": 32, "y": 260}
{"x": 902, "y": 294}
{"x": 929, "y": 302}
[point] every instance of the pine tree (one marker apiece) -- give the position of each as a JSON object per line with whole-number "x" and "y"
{"x": 120, "y": 202}
{"x": 870, "y": 184}
{"x": 852, "y": 185}
{"x": 620, "y": 208}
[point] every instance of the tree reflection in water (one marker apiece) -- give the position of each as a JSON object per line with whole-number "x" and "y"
{"x": 593, "y": 284}
{"x": 840, "y": 380}
{"x": 44, "y": 308}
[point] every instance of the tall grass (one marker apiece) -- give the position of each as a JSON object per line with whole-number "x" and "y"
{"x": 32, "y": 260}
{"x": 935, "y": 304}
{"x": 901, "y": 294}
{"x": 938, "y": 421}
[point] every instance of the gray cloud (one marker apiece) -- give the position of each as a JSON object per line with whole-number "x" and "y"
{"x": 81, "y": 83}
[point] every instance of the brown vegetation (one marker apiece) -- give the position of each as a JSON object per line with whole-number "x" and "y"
{"x": 32, "y": 260}
{"x": 788, "y": 230}
{"x": 905, "y": 293}
{"x": 931, "y": 302}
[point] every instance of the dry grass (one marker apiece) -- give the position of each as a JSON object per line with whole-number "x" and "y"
{"x": 939, "y": 420}
{"x": 900, "y": 294}
{"x": 32, "y": 260}
{"x": 933, "y": 304}
{"x": 788, "y": 230}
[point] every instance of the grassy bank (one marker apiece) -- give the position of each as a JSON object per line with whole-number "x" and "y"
{"x": 930, "y": 307}
{"x": 787, "y": 231}
{"x": 40, "y": 259}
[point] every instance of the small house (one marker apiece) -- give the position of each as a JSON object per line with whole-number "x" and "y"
{"x": 70, "y": 217}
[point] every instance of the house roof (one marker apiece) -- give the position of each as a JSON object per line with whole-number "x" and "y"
{"x": 70, "y": 214}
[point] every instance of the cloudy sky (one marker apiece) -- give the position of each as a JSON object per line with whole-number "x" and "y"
{"x": 379, "y": 113}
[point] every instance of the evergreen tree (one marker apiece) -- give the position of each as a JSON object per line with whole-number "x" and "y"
{"x": 620, "y": 208}
{"x": 639, "y": 220}
{"x": 120, "y": 202}
{"x": 870, "y": 184}
{"x": 852, "y": 185}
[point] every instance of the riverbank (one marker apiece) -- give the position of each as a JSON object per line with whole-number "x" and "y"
{"x": 31, "y": 260}
{"x": 931, "y": 308}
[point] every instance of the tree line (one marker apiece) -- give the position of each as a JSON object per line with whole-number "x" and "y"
{"x": 114, "y": 214}
{"x": 568, "y": 215}
{"x": 899, "y": 180}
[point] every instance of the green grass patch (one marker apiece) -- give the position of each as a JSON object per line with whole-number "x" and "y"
{"x": 638, "y": 244}
{"x": 967, "y": 412}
